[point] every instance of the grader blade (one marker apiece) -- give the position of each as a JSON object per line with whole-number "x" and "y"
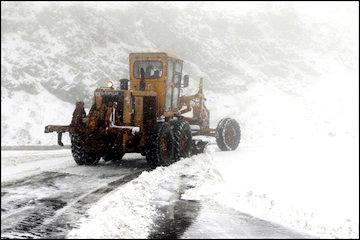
{"x": 198, "y": 146}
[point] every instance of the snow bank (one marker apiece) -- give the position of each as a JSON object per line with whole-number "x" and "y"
{"x": 298, "y": 160}
{"x": 129, "y": 211}
{"x": 296, "y": 189}
{"x": 245, "y": 180}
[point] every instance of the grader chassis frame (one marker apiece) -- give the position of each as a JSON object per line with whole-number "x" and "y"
{"x": 194, "y": 102}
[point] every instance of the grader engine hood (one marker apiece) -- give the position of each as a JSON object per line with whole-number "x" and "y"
{"x": 122, "y": 108}
{"x": 104, "y": 99}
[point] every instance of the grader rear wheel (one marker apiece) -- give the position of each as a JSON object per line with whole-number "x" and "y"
{"x": 80, "y": 156}
{"x": 228, "y": 134}
{"x": 160, "y": 145}
{"x": 182, "y": 139}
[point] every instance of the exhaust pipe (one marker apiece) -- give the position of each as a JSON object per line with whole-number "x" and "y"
{"x": 112, "y": 123}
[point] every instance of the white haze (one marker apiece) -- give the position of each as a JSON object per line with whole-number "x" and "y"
{"x": 287, "y": 71}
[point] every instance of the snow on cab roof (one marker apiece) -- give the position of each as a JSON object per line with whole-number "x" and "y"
{"x": 156, "y": 53}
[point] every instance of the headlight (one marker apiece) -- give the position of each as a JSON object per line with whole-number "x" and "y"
{"x": 110, "y": 84}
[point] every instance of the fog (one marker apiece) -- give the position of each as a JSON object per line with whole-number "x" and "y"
{"x": 287, "y": 71}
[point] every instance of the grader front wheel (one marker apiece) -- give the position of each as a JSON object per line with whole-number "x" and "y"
{"x": 80, "y": 156}
{"x": 228, "y": 134}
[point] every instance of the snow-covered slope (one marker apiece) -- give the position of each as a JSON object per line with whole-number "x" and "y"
{"x": 70, "y": 49}
{"x": 25, "y": 115}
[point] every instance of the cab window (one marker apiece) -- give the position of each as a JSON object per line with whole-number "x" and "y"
{"x": 169, "y": 80}
{"x": 178, "y": 67}
{"x": 152, "y": 69}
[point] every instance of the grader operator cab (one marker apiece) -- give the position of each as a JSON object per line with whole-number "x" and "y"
{"x": 146, "y": 117}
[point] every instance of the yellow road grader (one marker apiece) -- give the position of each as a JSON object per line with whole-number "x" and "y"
{"x": 146, "y": 115}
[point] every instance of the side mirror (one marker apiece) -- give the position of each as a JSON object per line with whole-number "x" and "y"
{"x": 186, "y": 81}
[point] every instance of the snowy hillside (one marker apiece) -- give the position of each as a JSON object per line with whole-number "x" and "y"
{"x": 67, "y": 50}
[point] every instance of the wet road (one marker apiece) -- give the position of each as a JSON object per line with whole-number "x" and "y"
{"x": 207, "y": 219}
{"x": 48, "y": 204}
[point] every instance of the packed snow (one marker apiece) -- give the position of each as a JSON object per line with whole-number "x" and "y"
{"x": 258, "y": 181}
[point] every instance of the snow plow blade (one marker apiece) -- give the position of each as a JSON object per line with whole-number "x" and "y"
{"x": 57, "y": 128}
{"x": 198, "y": 146}
{"x": 60, "y": 130}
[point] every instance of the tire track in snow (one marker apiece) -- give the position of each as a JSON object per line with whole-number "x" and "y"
{"x": 175, "y": 218}
{"x": 183, "y": 218}
{"x": 218, "y": 221}
{"x": 54, "y": 214}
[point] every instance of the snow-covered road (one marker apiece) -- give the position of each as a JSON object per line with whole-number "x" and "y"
{"x": 45, "y": 194}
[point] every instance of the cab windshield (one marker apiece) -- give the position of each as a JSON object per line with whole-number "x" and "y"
{"x": 152, "y": 69}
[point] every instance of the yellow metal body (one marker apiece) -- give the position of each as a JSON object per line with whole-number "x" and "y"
{"x": 132, "y": 109}
{"x": 138, "y": 108}
{"x": 158, "y": 85}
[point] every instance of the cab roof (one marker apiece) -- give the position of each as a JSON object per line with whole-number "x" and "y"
{"x": 152, "y": 54}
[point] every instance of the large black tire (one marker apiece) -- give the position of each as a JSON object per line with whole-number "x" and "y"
{"x": 228, "y": 134}
{"x": 160, "y": 145}
{"x": 182, "y": 139}
{"x": 80, "y": 156}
